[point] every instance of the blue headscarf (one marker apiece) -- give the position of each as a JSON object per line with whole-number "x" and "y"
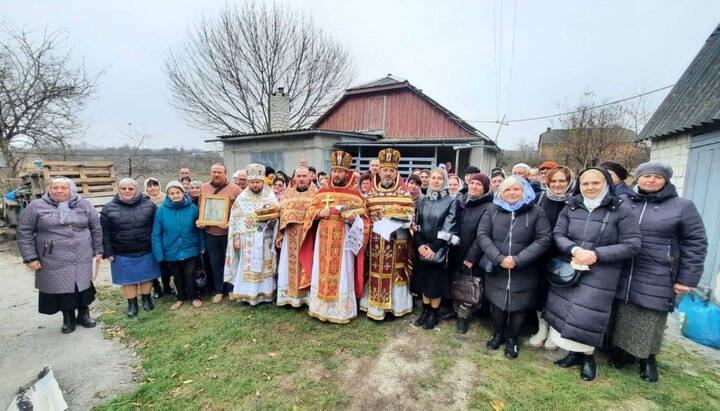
{"x": 528, "y": 194}
{"x": 64, "y": 206}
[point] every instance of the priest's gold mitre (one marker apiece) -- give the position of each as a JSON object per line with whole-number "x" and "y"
{"x": 255, "y": 171}
{"x": 389, "y": 157}
{"x": 340, "y": 160}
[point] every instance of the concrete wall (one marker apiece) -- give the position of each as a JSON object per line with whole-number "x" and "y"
{"x": 483, "y": 158}
{"x": 673, "y": 151}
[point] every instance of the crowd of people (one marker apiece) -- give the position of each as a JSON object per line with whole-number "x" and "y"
{"x": 598, "y": 263}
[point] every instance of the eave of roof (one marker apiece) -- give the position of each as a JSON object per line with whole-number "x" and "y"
{"x": 289, "y": 134}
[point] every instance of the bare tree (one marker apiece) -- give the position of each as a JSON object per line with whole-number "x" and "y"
{"x": 524, "y": 152}
{"x": 224, "y": 74}
{"x": 42, "y": 92}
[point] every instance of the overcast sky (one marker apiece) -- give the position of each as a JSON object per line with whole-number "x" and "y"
{"x": 449, "y": 49}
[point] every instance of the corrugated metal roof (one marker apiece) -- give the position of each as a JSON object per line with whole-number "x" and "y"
{"x": 559, "y": 135}
{"x": 388, "y": 80}
{"x": 289, "y": 134}
{"x": 695, "y": 99}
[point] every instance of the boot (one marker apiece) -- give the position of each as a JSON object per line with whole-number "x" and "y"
{"x": 572, "y": 359}
{"x": 147, "y": 302}
{"x": 588, "y": 372}
{"x": 448, "y": 315}
{"x": 550, "y": 345}
{"x": 423, "y": 316}
{"x": 84, "y": 319}
{"x": 511, "y": 348}
{"x": 68, "y": 322}
{"x": 495, "y": 341}
{"x": 648, "y": 369}
{"x": 620, "y": 359}
{"x": 461, "y": 325}
{"x": 432, "y": 320}
{"x": 157, "y": 290}
{"x": 538, "y": 340}
{"x": 133, "y": 309}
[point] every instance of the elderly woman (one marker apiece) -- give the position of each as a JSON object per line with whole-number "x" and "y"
{"x": 597, "y": 231}
{"x": 59, "y": 237}
{"x": 670, "y": 262}
{"x": 436, "y": 229}
{"x": 366, "y": 183}
{"x": 127, "y": 223}
{"x": 151, "y": 187}
{"x": 497, "y": 176}
{"x": 194, "y": 191}
{"x": 560, "y": 186}
{"x": 185, "y": 181}
{"x": 279, "y": 187}
{"x": 513, "y": 233}
{"x": 454, "y": 185}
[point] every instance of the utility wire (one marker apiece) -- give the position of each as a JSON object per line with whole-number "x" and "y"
{"x": 512, "y": 58}
{"x": 495, "y": 60}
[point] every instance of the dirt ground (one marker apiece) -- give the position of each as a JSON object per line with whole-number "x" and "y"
{"x": 87, "y": 366}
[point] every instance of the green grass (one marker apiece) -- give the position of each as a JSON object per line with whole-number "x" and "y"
{"x": 228, "y": 357}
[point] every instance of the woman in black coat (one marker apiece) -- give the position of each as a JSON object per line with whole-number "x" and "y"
{"x": 513, "y": 233}
{"x": 671, "y": 262}
{"x": 435, "y": 230}
{"x": 559, "y": 187}
{"x": 598, "y": 231}
{"x": 127, "y": 223}
{"x": 471, "y": 207}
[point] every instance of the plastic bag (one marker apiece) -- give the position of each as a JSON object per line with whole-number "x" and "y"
{"x": 200, "y": 275}
{"x": 702, "y": 320}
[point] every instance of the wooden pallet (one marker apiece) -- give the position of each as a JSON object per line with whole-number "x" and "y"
{"x": 92, "y": 178}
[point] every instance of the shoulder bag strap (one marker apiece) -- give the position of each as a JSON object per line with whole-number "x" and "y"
{"x": 602, "y": 228}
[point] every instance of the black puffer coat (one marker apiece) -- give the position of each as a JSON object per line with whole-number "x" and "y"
{"x": 127, "y": 228}
{"x": 552, "y": 210}
{"x": 513, "y": 290}
{"x": 469, "y": 213}
{"x": 581, "y": 313}
{"x": 674, "y": 246}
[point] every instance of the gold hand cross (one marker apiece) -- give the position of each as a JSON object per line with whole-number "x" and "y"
{"x": 327, "y": 200}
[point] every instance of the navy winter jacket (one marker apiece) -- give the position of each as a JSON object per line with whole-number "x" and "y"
{"x": 127, "y": 227}
{"x": 175, "y": 236}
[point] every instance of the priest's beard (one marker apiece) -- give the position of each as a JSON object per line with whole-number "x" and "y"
{"x": 301, "y": 189}
{"x": 387, "y": 182}
{"x": 338, "y": 182}
{"x": 258, "y": 191}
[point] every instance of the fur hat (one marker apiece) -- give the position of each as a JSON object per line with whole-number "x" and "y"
{"x": 660, "y": 169}
{"x": 616, "y": 168}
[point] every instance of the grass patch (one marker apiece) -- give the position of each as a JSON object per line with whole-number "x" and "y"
{"x": 230, "y": 357}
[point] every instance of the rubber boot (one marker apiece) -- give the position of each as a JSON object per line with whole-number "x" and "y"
{"x": 147, "y": 302}
{"x": 133, "y": 308}
{"x": 538, "y": 340}
{"x": 84, "y": 319}
{"x": 423, "y": 315}
{"x": 648, "y": 369}
{"x": 68, "y": 322}
{"x": 461, "y": 325}
{"x": 495, "y": 342}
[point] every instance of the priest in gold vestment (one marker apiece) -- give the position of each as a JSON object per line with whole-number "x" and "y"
{"x": 293, "y": 208}
{"x": 392, "y": 212}
{"x": 334, "y": 238}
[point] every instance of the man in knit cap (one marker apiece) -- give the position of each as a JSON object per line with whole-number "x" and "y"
{"x": 618, "y": 173}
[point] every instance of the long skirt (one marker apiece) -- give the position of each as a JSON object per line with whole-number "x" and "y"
{"x": 638, "y": 330}
{"x": 52, "y": 303}
{"x": 432, "y": 280}
{"x": 129, "y": 270}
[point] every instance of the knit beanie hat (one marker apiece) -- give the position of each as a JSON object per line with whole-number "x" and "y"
{"x": 174, "y": 183}
{"x": 616, "y": 168}
{"x": 482, "y": 178}
{"x": 548, "y": 165}
{"x": 660, "y": 169}
{"x": 472, "y": 170}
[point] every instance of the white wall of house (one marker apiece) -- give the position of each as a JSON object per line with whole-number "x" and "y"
{"x": 673, "y": 151}
{"x": 483, "y": 158}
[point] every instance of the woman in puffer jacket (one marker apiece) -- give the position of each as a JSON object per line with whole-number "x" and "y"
{"x": 513, "y": 233}
{"x": 671, "y": 262}
{"x": 579, "y": 315}
{"x": 178, "y": 242}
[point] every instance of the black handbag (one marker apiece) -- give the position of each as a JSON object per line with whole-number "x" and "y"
{"x": 200, "y": 275}
{"x": 467, "y": 288}
{"x": 560, "y": 271}
{"x": 439, "y": 258}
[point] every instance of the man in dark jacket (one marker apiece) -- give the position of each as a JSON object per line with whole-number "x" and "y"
{"x": 619, "y": 174}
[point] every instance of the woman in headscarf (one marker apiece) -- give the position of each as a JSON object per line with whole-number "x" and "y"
{"x": 127, "y": 223}
{"x": 497, "y": 176}
{"x": 279, "y": 187}
{"x": 194, "y": 191}
{"x": 435, "y": 230}
{"x": 151, "y": 187}
{"x": 671, "y": 262}
{"x": 60, "y": 238}
{"x": 454, "y": 185}
{"x": 513, "y": 233}
{"x": 597, "y": 231}
{"x": 559, "y": 187}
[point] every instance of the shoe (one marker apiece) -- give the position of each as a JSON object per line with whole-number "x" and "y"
{"x": 448, "y": 315}
{"x": 620, "y": 359}
{"x": 68, "y": 322}
{"x": 550, "y": 345}
{"x": 538, "y": 340}
{"x": 169, "y": 292}
{"x": 511, "y": 348}
{"x": 432, "y": 320}
{"x": 588, "y": 372}
{"x": 147, "y": 302}
{"x": 423, "y": 316}
{"x": 495, "y": 342}
{"x": 648, "y": 369}
{"x": 177, "y": 304}
{"x": 461, "y": 325}
{"x": 197, "y": 303}
{"x": 157, "y": 294}
{"x": 217, "y": 298}
{"x": 389, "y": 317}
{"x": 572, "y": 359}
{"x": 133, "y": 309}
{"x": 84, "y": 319}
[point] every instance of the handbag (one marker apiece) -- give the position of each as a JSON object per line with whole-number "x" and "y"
{"x": 467, "y": 288}
{"x": 200, "y": 275}
{"x": 439, "y": 258}
{"x": 560, "y": 271}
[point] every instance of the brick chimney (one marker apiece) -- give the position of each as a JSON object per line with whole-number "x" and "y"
{"x": 279, "y": 110}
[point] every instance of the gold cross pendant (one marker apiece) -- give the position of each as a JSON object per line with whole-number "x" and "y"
{"x": 327, "y": 200}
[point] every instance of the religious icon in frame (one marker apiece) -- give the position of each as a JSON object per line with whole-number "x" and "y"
{"x": 214, "y": 210}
